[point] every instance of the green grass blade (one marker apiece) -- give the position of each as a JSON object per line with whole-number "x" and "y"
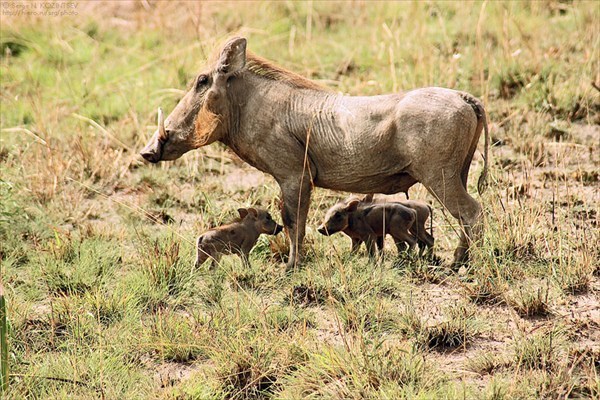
{"x": 3, "y": 344}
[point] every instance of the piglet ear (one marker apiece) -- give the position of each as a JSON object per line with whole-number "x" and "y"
{"x": 353, "y": 205}
{"x": 368, "y": 198}
{"x": 243, "y": 212}
{"x": 253, "y": 211}
{"x": 233, "y": 56}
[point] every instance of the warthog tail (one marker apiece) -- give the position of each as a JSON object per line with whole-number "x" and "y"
{"x": 482, "y": 181}
{"x": 430, "y": 219}
{"x": 481, "y": 118}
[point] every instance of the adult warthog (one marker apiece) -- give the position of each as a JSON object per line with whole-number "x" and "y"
{"x": 304, "y": 135}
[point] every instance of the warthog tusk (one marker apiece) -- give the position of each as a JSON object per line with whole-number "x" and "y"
{"x": 162, "y": 134}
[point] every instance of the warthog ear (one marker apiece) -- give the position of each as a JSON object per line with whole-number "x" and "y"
{"x": 353, "y": 205}
{"x": 233, "y": 56}
{"x": 253, "y": 211}
{"x": 243, "y": 212}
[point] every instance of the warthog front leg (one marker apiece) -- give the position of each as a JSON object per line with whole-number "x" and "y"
{"x": 373, "y": 248}
{"x": 245, "y": 257}
{"x": 201, "y": 253}
{"x": 355, "y": 245}
{"x": 296, "y": 199}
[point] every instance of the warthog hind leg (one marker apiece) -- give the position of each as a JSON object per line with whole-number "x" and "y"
{"x": 454, "y": 197}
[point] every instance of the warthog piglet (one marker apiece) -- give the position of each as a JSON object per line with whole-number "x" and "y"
{"x": 370, "y": 223}
{"x": 424, "y": 212}
{"x": 238, "y": 237}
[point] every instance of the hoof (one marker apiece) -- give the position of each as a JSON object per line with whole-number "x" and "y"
{"x": 461, "y": 256}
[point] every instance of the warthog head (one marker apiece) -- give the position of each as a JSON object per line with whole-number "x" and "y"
{"x": 337, "y": 217}
{"x": 263, "y": 220}
{"x": 201, "y": 117}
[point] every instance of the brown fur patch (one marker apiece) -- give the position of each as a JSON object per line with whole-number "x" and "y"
{"x": 205, "y": 126}
{"x": 269, "y": 70}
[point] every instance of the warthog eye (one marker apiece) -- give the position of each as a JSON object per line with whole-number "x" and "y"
{"x": 202, "y": 80}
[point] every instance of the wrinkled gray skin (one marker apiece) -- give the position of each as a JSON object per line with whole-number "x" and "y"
{"x": 304, "y": 136}
{"x": 369, "y": 223}
{"x": 235, "y": 238}
{"x": 424, "y": 212}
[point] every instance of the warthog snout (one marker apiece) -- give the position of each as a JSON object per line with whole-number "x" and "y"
{"x": 323, "y": 230}
{"x": 154, "y": 149}
{"x": 152, "y": 152}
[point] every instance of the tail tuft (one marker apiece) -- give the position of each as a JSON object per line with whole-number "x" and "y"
{"x": 430, "y": 219}
{"x": 482, "y": 183}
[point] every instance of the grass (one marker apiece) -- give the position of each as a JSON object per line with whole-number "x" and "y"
{"x": 365, "y": 372}
{"x": 457, "y": 329}
{"x": 487, "y": 363}
{"x": 3, "y": 343}
{"x": 539, "y": 351}
{"x": 530, "y": 301}
{"x": 97, "y": 248}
